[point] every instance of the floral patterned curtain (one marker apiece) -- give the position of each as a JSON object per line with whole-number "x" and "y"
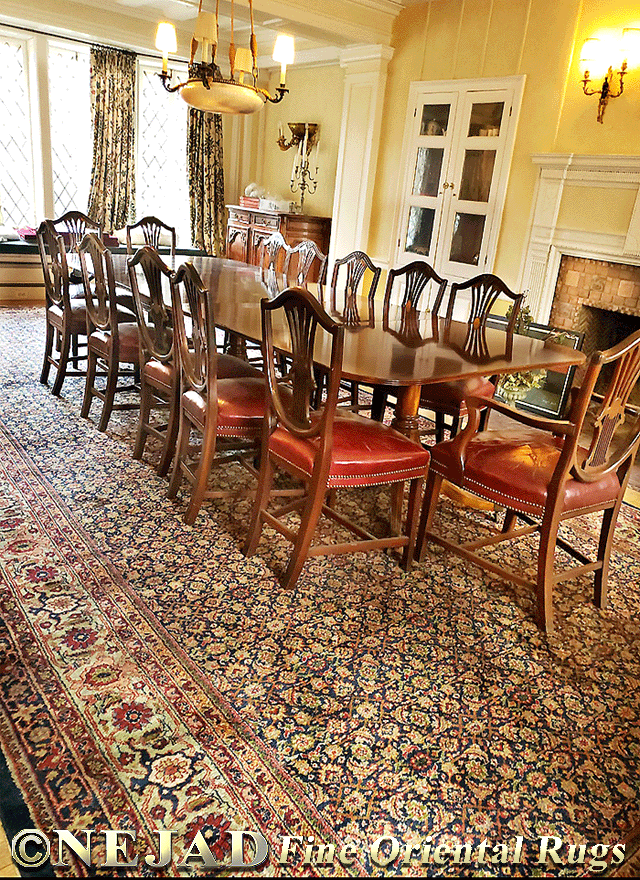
{"x": 113, "y": 90}
{"x": 206, "y": 181}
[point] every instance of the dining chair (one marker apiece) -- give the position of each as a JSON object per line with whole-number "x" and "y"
{"x": 152, "y": 231}
{"x": 65, "y": 316}
{"x": 546, "y": 472}
{"x": 110, "y": 339}
{"x": 325, "y": 448}
{"x": 302, "y": 260}
{"x": 448, "y": 398}
{"x": 159, "y": 374}
{"x": 228, "y": 413}
{"x": 418, "y": 279}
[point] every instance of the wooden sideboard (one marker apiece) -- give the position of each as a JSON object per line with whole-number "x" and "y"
{"x": 247, "y": 228}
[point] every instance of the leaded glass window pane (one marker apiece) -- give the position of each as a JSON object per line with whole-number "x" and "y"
{"x": 16, "y": 157}
{"x": 70, "y": 113}
{"x": 161, "y": 183}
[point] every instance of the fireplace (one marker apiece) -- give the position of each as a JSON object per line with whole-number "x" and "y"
{"x": 598, "y": 298}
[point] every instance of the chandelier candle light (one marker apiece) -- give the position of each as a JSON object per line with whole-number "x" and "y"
{"x": 304, "y": 174}
{"x": 207, "y": 88}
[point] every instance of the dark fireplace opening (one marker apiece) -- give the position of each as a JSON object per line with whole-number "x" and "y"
{"x": 603, "y": 329}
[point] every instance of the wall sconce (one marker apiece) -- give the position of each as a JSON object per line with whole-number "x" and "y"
{"x": 598, "y": 59}
{"x": 304, "y": 174}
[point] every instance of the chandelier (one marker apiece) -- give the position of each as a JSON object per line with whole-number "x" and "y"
{"x": 207, "y": 88}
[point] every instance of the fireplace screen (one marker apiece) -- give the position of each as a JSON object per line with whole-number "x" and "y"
{"x": 545, "y": 393}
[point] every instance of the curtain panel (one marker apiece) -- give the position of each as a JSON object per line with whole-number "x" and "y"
{"x": 113, "y": 91}
{"x": 206, "y": 181}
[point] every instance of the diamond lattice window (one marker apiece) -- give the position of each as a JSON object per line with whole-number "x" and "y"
{"x": 161, "y": 182}
{"x": 70, "y": 114}
{"x": 16, "y": 157}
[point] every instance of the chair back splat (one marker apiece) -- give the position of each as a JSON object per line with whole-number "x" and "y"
{"x": 99, "y": 282}
{"x": 55, "y": 269}
{"x": 154, "y": 316}
{"x": 74, "y": 225}
{"x": 303, "y": 314}
{"x": 607, "y": 450}
{"x": 299, "y": 262}
{"x": 355, "y": 265}
{"x": 152, "y": 229}
{"x": 159, "y": 376}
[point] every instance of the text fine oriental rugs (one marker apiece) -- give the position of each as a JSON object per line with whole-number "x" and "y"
{"x": 151, "y": 678}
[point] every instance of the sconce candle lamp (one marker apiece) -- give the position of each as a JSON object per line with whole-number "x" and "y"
{"x": 596, "y": 60}
{"x": 304, "y": 174}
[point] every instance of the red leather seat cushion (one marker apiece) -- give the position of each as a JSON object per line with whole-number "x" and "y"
{"x": 241, "y": 406}
{"x": 364, "y": 453}
{"x": 444, "y": 395}
{"x": 230, "y": 367}
{"x": 129, "y": 349}
{"x": 514, "y": 468}
{"x": 159, "y": 375}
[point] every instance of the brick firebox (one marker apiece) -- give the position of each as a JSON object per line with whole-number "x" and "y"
{"x": 598, "y": 298}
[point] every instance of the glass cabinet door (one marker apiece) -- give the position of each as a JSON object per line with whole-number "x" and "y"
{"x": 430, "y": 155}
{"x": 458, "y": 140}
{"x": 474, "y": 170}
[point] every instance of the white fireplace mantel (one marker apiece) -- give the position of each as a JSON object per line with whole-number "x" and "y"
{"x": 548, "y": 242}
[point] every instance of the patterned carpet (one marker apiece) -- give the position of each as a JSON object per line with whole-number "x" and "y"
{"x": 150, "y": 676}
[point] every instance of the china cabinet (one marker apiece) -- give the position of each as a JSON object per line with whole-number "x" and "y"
{"x": 457, "y": 151}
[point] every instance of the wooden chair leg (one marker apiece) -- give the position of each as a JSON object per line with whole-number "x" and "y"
{"x": 109, "y": 394}
{"x": 545, "y": 579}
{"x": 429, "y": 504}
{"x": 146, "y": 394}
{"x": 379, "y": 403}
{"x": 74, "y": 351}
{"x": 48, "y": 352}
{"x": 510, "y": 518}
{"x": 202, "y": 476}
{"x": 65, "y": 343}
{"x": 265, "y": 479}
{"x": 181, "y": 453}
{"x": 89, "y": 383}
{"x": 609, "y": 519}
{"x": 310, "y": 516}
{"x": 172, "y": 432}
{"x": 439, "y": 427}
{"x": 354, "y": 393}
{"x": 412, "y": 524}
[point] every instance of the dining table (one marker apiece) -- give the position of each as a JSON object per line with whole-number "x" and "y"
{"x": 381, "y": 347}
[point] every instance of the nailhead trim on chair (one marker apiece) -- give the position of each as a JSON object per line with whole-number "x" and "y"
{"x": 411, "y": 474}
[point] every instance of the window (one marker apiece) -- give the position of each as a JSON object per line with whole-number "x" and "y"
{"x": 70, "y": 123}
{"x": 17, "y": 204}
{"x": 161, "y": 176}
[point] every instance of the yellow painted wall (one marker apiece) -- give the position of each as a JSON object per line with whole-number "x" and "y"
{"x": 490, "y": 38}
{"x": 315, "y": 96}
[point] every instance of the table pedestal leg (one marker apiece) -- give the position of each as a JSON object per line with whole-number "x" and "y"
{"x": 405, "y": 418}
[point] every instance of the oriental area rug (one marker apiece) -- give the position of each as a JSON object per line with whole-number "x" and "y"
{"x": 368, "y": 722}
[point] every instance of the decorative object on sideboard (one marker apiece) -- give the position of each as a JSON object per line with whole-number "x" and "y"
{"x": 304, "y": 173}
{"x": 608, "y": 59}
{"x": 207, "y": 88}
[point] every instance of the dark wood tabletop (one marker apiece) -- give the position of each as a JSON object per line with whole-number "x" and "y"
{"x": 378, "y": 350}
